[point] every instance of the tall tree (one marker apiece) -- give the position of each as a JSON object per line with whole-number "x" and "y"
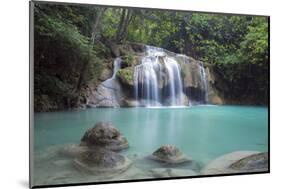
{"x": 125, "y": 19}
{"x": 95, "y": 29}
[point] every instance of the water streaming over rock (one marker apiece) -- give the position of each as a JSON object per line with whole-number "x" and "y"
{"x": 146, "y": 82}
{"x": 203, "y": 78}
{"x": 117, "y": 66}
{"x": 175, "y": 81}
{"x": 109, "y": 91}
{"x": 157, "y": 79}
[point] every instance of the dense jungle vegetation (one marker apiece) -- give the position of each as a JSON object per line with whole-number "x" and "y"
{"x": 73, "y": 41}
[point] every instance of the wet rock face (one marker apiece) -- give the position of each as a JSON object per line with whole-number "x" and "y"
{"x": 169, "y": 154}
{"x": 105, "y": 74}
{"x": 99, "y": 160}
{"x": 105, "y": 95}
{"x": 237, "y": 162}
{"x": 253, "y": 162}
{"x": 104, "y": 134}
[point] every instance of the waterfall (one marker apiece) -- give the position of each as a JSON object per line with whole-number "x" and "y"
{"x": 147, "y": 76}
{"x": 203, "y": 79}
{"x": 145, "y": 79}
{"x": 174, "y": 80}
{"x": 117, "y": 66}
{"x": 157, "y": 81}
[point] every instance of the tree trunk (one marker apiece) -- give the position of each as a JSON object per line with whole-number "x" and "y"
{"x": 96, "y": 23}
{"x": 125, "y": 20}
{"x": 121, "y": 23}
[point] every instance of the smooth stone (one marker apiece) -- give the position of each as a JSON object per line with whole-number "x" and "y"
{"x": 234, "y": 162}
{"x": 170, "y": 172}
{"x": 253, "y": 162}
{"x": 169, "y": 154}
{"x": 102, "y": 161}
{"x": 73, "y": 150}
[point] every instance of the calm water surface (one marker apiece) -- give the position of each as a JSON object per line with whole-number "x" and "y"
{"x": 201, "y": 132}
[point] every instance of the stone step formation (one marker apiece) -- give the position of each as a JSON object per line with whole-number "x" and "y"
{"x": 155, "y": 77}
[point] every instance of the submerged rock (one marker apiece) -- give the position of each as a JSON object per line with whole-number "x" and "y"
{"x": 238, "y": 162}
{"x": 252, "y": 162}
{"x": 99, "y": 161}
{"x": 169, "y": 154}
{"x": 104, "y": 134}
{"x": 170, "y": 172}
{"x": 73, "y": 150}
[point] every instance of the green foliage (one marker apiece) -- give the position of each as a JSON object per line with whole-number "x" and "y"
{"x": 127, "y": 75}
{"x": 254, "y": 48}
{"x": 65, "y": 58}
{"x": 237, "y": 46}
{"x": 128, "y": 59}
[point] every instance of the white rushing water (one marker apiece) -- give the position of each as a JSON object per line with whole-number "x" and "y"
{"x": 203, "y": 78}
{"x": 175, "y": 81}
{"x": 117, "y": 66}
{"x": 147, "y": 76}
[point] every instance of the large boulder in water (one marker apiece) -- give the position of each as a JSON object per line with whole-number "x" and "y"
{"x": 238, "y": 162}
{"x": 104, "y": 134}
{"x": 169, "y": 154}
{"x": 253, "y": 162}
{"x": 73, "y": 150}
{"x": 101, "y": 161}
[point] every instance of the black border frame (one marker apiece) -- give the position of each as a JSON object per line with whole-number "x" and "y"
{"x": 31, "y": 106}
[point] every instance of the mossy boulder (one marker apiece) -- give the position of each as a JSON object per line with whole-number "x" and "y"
{"x": 130, "y": 60}
{"x": 238, "y": 162}
{"x": 253, "y": 162}
{"x": 126, "y": 76}
{"x": 123, "y": 49}
{"x": 169, "y": 154}
{"x": 101, "y": 161}
{"x": 105, "y": 135}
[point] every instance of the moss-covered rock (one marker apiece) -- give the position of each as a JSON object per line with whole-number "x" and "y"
{"x": 130, "y": 60}
{"x": 126, "y": 76}
{"x": 104, "y": 135}
{"x": 169, "y": 154}
{"x": 124, "y": 49}
{"x": 101, "y": 161}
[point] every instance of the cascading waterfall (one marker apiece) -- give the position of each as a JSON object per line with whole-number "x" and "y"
{"x": 145, "y": 79}
{"x": 204, "y": 82}
{"x": 147, "y": 74}
{"x": 160, "y": 78}
{"x": 117, "y": 66}
{"x": 175, "y": 82}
